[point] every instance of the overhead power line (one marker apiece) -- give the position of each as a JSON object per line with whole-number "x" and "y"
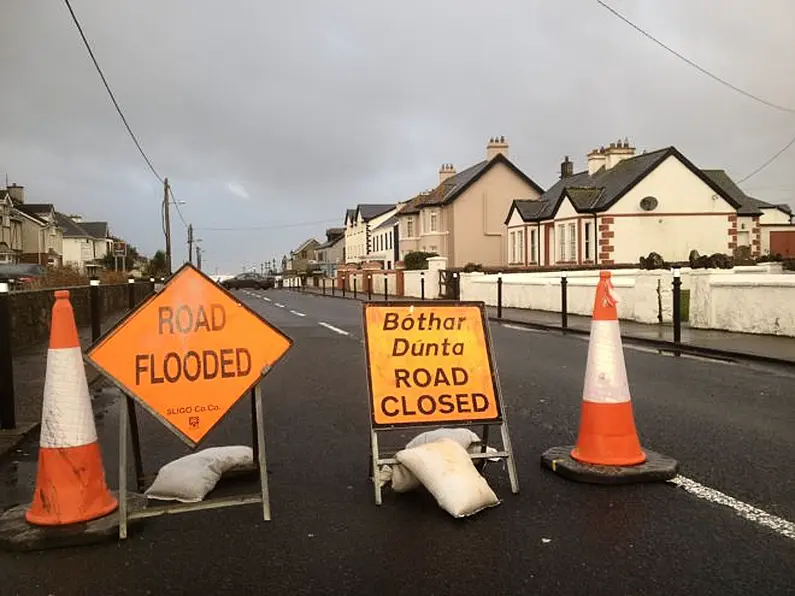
{"x": 270, "y": 226}
{"x": 112, "y": 97}
{"x": 773, "y": 158}
{"x": 696, "y": 66}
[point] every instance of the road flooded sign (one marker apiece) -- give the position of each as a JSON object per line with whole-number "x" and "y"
{"x": 429, "y": 363}
{"x": 189, "y": 353}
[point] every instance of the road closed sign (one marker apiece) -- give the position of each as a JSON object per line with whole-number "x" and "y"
{"x": 189, "y": 353}
{"x": 429, "y": 363}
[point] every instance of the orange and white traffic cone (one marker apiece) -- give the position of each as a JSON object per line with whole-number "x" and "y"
{"x": 70, "y": 483}
{"x": 607, "y": 434}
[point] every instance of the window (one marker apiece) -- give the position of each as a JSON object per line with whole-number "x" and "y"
{"x": 410, "y": 228}
{"x": 433, "y": 221}
{"x": 520, "y": 246}
{"x": 533, "y": 258}
{"x": 572, "y": 242}
{"x": 562, "y": 243}
{"x": 587, "y": 241}
{"x": 391, "y": 240}
{"x": 513, "y": 247}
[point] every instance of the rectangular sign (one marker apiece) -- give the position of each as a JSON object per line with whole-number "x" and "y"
{"x": 429, "y": 363}
{"x": 119, "y": 249}
{"x": 189, "y": 353}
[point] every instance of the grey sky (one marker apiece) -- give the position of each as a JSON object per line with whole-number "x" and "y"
{"x": 278, "y": 114}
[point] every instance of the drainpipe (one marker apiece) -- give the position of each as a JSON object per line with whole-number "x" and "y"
{"x": 595, "y": 240}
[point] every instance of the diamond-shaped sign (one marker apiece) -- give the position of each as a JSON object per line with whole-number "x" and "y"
{"x": 189, "y": 353}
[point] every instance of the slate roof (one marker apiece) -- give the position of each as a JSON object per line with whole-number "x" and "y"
{"x": 600, "y": 191}
{"x": 372, "y": 210}
{"x": 97, "y": 229}
{"x": 388, "y": 223}
{"x": 750, "y": 205}
{"x": 71, "y": 229}
{"x": 350, "y": 214}
{"x": 446, "y": 192}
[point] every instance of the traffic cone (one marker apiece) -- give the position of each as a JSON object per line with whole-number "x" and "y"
{"x": 70, "y": 483}
{"x": 607, "y": 434}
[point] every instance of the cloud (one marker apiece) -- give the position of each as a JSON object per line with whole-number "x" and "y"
{"x": 238, "y": 190}
{"x": 319, "y": 106}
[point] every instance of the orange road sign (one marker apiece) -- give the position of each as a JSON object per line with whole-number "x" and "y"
{"x": 429, "y": 363}
{"x": 189, "y": 352}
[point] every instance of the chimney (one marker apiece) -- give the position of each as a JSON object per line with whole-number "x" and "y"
{"x": 76, "y": 218}
{"x": 596, "y": 159}
{"x": 566, "y": 168}
{"x": 446, "y": 171}
{"x": 496, "y": 146}
{"x": 17, "y": 193}
{"x": 618, "y": 152}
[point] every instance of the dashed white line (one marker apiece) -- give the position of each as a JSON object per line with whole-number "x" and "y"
{"x": 518, "y": 328}
{"x": 333, "y": 328}
{"x": 279, "y": 305}
{"x": 265, "y": 298}
{"x": 297, "y": 314}
{"x": 777, "y": 524}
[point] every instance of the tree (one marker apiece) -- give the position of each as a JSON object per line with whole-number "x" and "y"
{"x": 418, "y": 259}
{"x": 156, "y": 267}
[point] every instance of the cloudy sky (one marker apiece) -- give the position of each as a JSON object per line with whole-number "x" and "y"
{"x": 269, "y": 119}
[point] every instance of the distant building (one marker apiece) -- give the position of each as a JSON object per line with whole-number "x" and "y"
{"x": 330, "y": 255}
{"x": 359, "y": 225}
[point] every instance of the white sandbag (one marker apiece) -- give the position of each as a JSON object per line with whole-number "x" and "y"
{"x": 403, "y": 480}
{"x": 189, "y": 478}
{"x": 445, "y": 469}
{"x": 462, "y": 436}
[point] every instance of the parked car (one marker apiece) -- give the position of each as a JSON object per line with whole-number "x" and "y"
{"x": 20, "y": 275}
{"x": 248, "y": 280}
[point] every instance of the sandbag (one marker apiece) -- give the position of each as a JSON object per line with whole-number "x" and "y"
{"x": 446, "y": 470}
{"x": 402, "y": 480}
{"x": 189, "y": 478}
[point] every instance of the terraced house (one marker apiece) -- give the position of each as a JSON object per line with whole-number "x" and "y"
{"x": 624, "y": 206}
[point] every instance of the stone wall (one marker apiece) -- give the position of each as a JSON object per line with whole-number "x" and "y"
{"x": 31, "y": 310}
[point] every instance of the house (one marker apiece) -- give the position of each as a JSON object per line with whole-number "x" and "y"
{"x": 624, "y": 206}
{"x": 85, "y": 244}
{"x": 385, "y": 242}
{"x": 329, "y": 255}
{"x": 359, "y": 225}
{"x": 10, "y": 230}
{"x": 302, "y": 259}
{"x": 462, "y": 217}
{"x": 42, "y": 239}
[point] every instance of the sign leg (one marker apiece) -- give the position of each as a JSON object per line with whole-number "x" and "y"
{"x": 506, "y": 441}
{"x": 254, "y": 425}
{"x": 263, "y": 468}
{"x": 483, "y": 448}
{"x": 136, "y": 444}
{"x": 376, "y": 478}
{"x": 123, "y": 422}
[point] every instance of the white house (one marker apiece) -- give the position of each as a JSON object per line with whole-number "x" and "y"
{"x": 359, "y": 225}
{"x": 329, "y": 255}
{"x": 624, "y": 206}
{"x": 85, "y": 244}
{"x": 385, "y": 243}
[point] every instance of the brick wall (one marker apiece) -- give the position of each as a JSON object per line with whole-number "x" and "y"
{"x": 732, "y": 233}
{"x": 31, "y": 310}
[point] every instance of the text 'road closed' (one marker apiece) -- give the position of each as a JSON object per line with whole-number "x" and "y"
{"x": 429, "y": 364}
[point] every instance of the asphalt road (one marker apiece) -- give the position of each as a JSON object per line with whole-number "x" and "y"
{"x": 730, "y": 426}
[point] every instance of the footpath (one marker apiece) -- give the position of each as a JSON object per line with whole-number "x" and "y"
{"x": 30, "y": 369}
{"x": 753, "y": 345}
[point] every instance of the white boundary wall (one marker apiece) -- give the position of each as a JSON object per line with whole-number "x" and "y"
{"x": 752, "y": 299}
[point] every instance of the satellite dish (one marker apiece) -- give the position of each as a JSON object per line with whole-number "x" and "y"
{"x": 648, "y": 203}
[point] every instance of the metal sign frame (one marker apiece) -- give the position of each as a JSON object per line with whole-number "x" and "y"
{"x": 128, "y": 317}
{"x": 377, "y": 458}
{"x": 137, "y": 508}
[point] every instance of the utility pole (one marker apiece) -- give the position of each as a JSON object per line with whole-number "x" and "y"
{"x": 199, "y": 257}
{"x": 167, "y": 225}
{"x": 190, "y": 244}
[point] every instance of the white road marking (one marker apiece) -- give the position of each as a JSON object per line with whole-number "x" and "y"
{"x": 518, "y": 328}
{"x": 777, "y": 524}
{"x": 333, "y": 328}
{"x": 279, "y": 305}
{"x": 297, "y": 314}
{"x": 265, "y": 298}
